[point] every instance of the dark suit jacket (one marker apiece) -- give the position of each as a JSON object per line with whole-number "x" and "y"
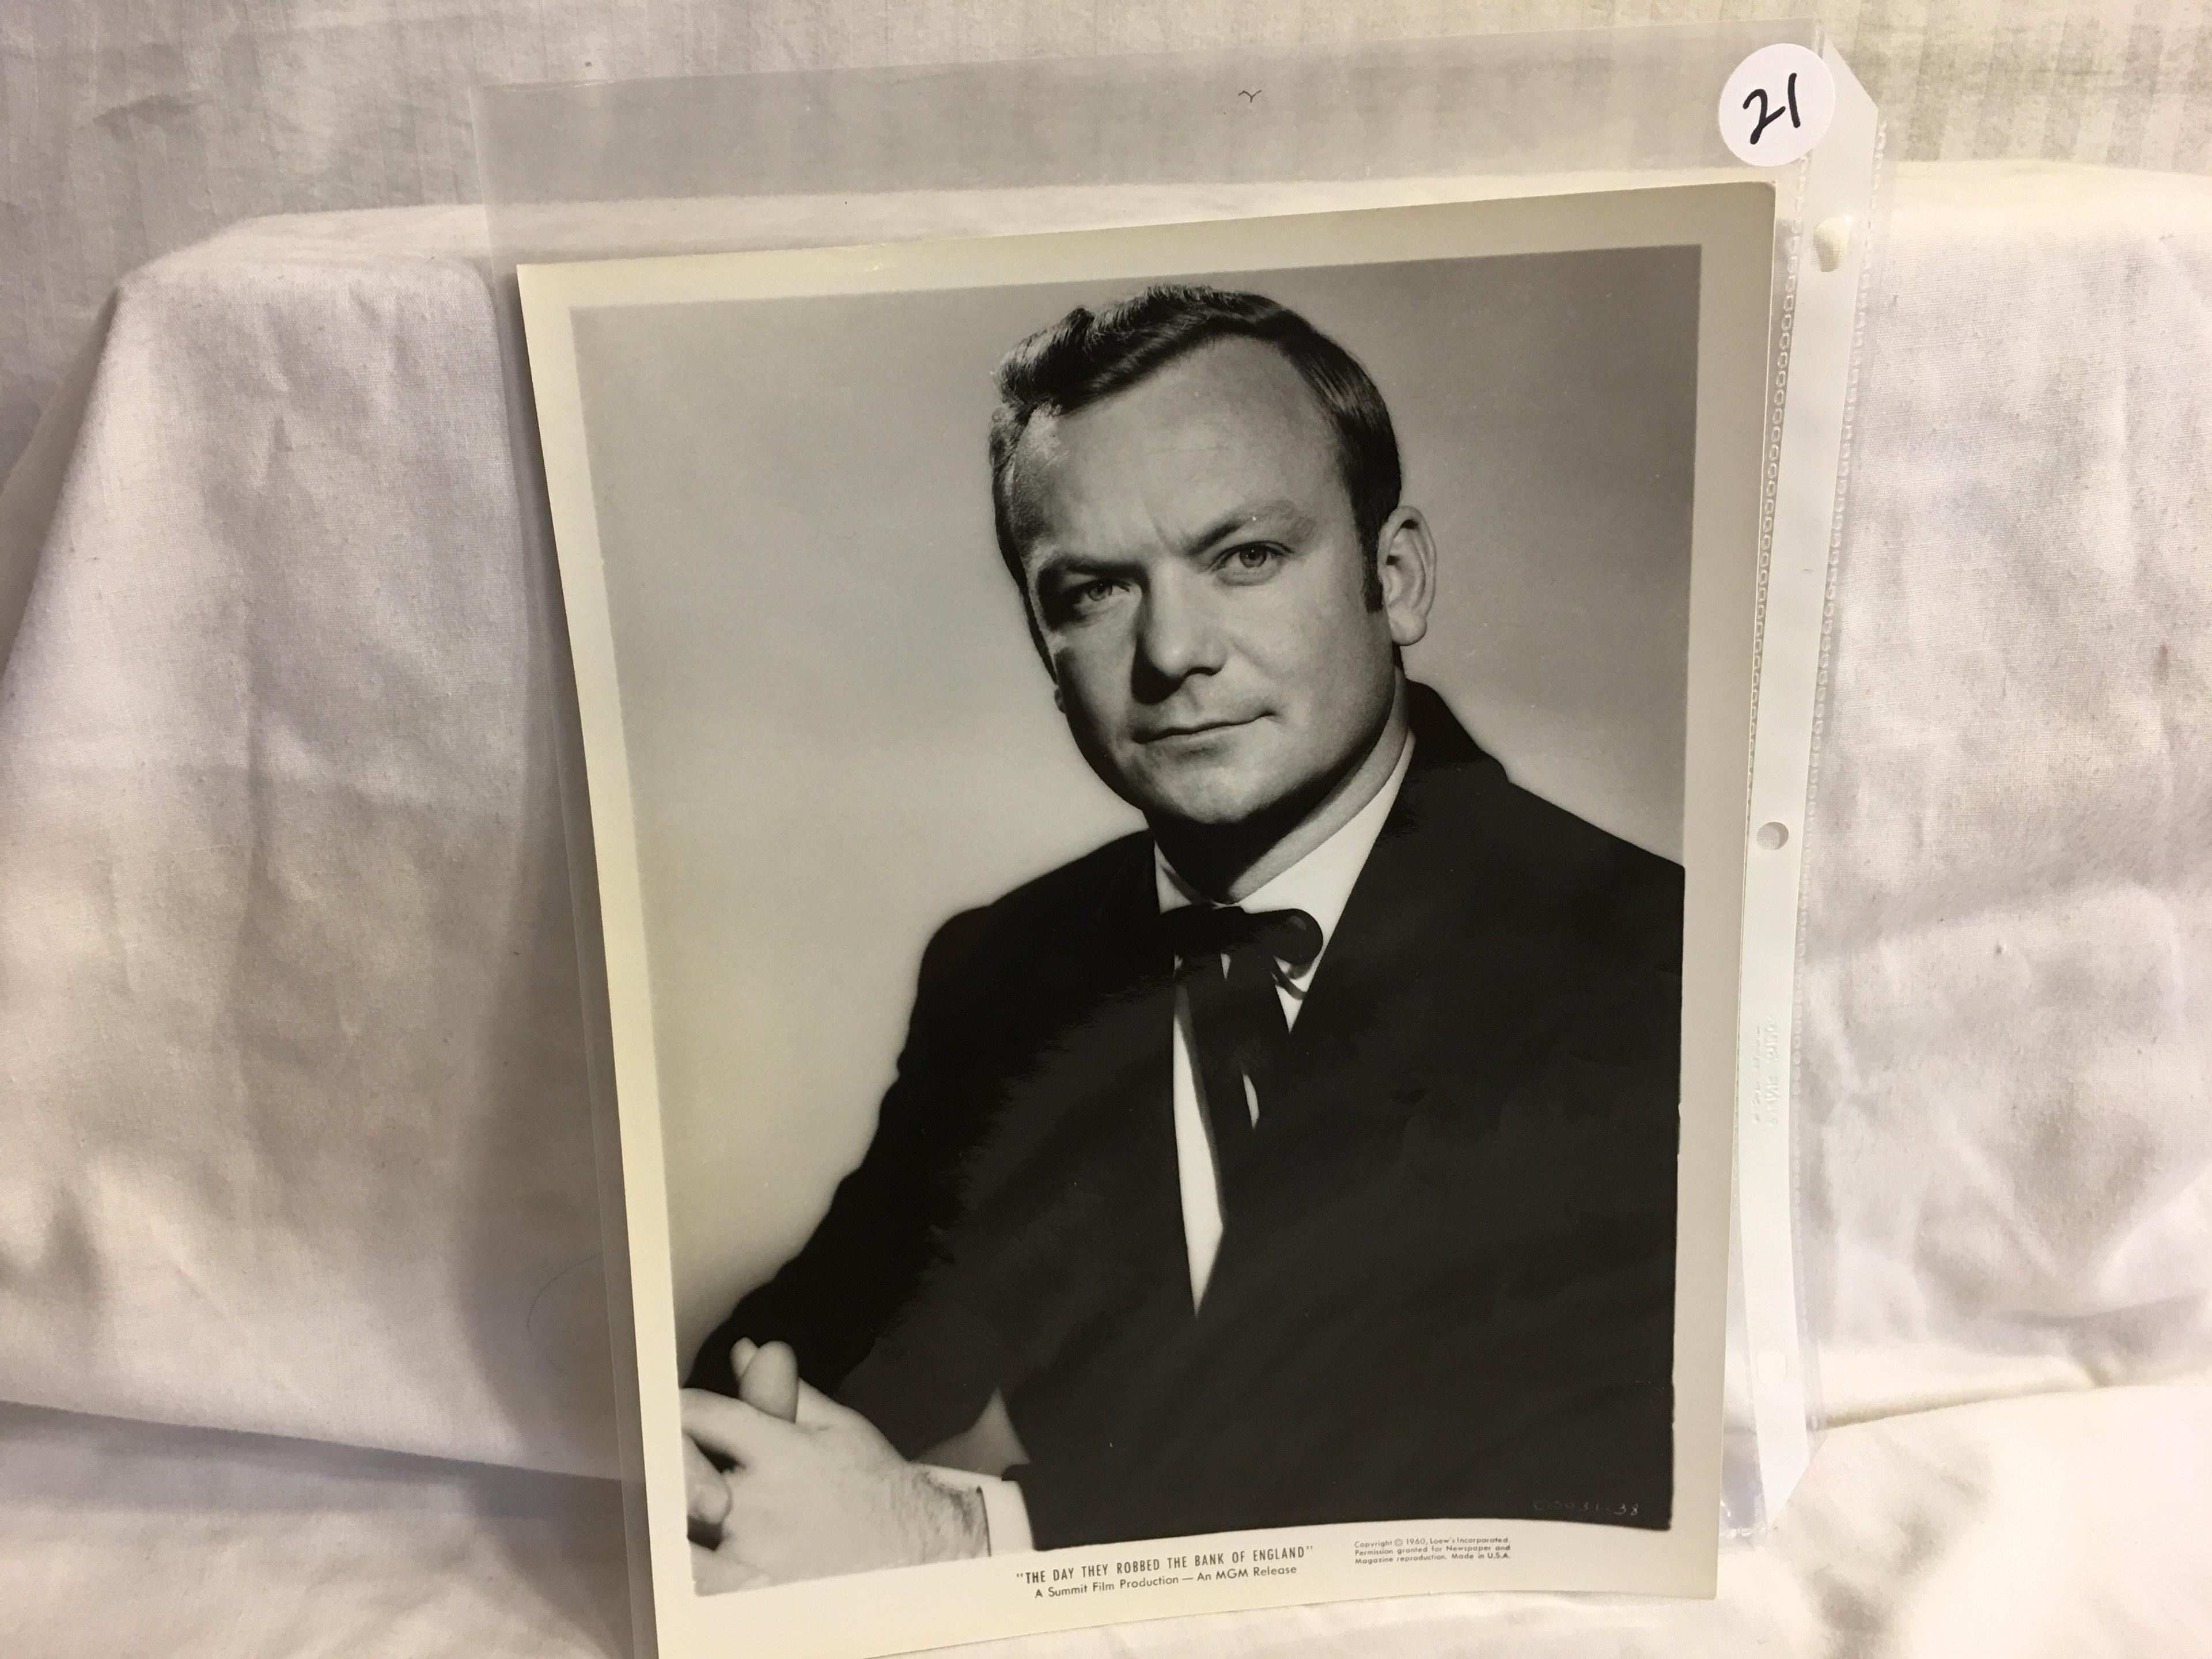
{"x": 1449, "y": 1291}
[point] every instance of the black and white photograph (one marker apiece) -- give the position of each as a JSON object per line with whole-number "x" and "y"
{"x": 1168, "y": 865}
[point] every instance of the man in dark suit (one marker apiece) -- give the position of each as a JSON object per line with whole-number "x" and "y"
{"x": 1308, "y": 1158}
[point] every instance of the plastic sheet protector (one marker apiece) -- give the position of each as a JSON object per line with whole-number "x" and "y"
{"x": 1190, "y": 810}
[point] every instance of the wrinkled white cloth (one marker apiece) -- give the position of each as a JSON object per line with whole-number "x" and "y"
{"x": 298, "y": 1138}
{"x": 2062, "y": 1527}
{"x": 298, "y": 1134}
{"x": 137, "y": 127}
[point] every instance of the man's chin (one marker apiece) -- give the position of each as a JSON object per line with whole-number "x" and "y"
{"x": 1217, "y": 803}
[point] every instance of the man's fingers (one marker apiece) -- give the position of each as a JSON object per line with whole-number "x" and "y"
{"x": 731, "y": 1428}
{"x": 706, "y": 1494}
{"x": 769, "y": 1381}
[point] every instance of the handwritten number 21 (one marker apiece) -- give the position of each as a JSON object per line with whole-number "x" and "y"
{"x": 1767, "y": 117}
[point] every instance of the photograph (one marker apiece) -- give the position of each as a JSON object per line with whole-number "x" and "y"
{"x": 1140, "y": 805}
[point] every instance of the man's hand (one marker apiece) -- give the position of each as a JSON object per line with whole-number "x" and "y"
{"x": 768, "y": 1379}
{"x": 706, "y": 1494}
{"x": 825, "y": 1494}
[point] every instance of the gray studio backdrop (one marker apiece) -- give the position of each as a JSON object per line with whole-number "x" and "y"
{"x": 839, "y": 732}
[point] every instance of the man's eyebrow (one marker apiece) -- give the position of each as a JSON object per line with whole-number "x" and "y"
{"x": 1285, "y": 518}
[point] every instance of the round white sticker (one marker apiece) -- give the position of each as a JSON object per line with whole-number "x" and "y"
{"x": 1777, "y": 106}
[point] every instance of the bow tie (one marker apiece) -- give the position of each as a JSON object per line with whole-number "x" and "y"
{"x": 1196, "y": 932}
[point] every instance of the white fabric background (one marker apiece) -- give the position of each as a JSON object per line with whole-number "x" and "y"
{"x": 134, "y": 127}
{"x": 287, "y": 1032}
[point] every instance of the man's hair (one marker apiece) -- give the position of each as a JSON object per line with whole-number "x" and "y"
{"x": 1087, "y": 355}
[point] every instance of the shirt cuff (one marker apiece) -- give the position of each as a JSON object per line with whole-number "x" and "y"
{"x": 1005, "y": 1513}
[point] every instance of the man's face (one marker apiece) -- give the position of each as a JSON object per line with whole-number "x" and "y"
{"x": 1200, "y": 587}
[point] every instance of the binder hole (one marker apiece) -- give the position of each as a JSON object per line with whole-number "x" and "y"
{"x": 1832, "y": 240}
{"x": 1773, "y": 835}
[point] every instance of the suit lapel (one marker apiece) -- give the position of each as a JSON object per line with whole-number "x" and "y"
{"x": 1392, "y": 920}
{"x": 1075, "y": 1208}
{"x": 1129, "y": 949}
{"x": 1362, "y": 1060}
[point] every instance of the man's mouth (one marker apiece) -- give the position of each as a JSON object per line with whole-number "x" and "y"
{"x": 1192, "y": 729}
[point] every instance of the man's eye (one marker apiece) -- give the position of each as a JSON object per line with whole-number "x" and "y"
{"x": 1082, "y": 598}
{"x": 1249, "y": 559}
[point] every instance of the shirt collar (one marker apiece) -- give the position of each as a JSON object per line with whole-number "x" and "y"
{"x": 1321, "y": 883}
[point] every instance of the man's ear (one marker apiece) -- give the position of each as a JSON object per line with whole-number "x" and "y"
{"x": 1405, "y": 570}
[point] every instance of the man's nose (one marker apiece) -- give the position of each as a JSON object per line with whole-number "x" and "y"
{"x": 1176, "y": 637}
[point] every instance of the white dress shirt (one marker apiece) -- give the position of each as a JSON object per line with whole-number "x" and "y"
{"x": 1320, "y": 884}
